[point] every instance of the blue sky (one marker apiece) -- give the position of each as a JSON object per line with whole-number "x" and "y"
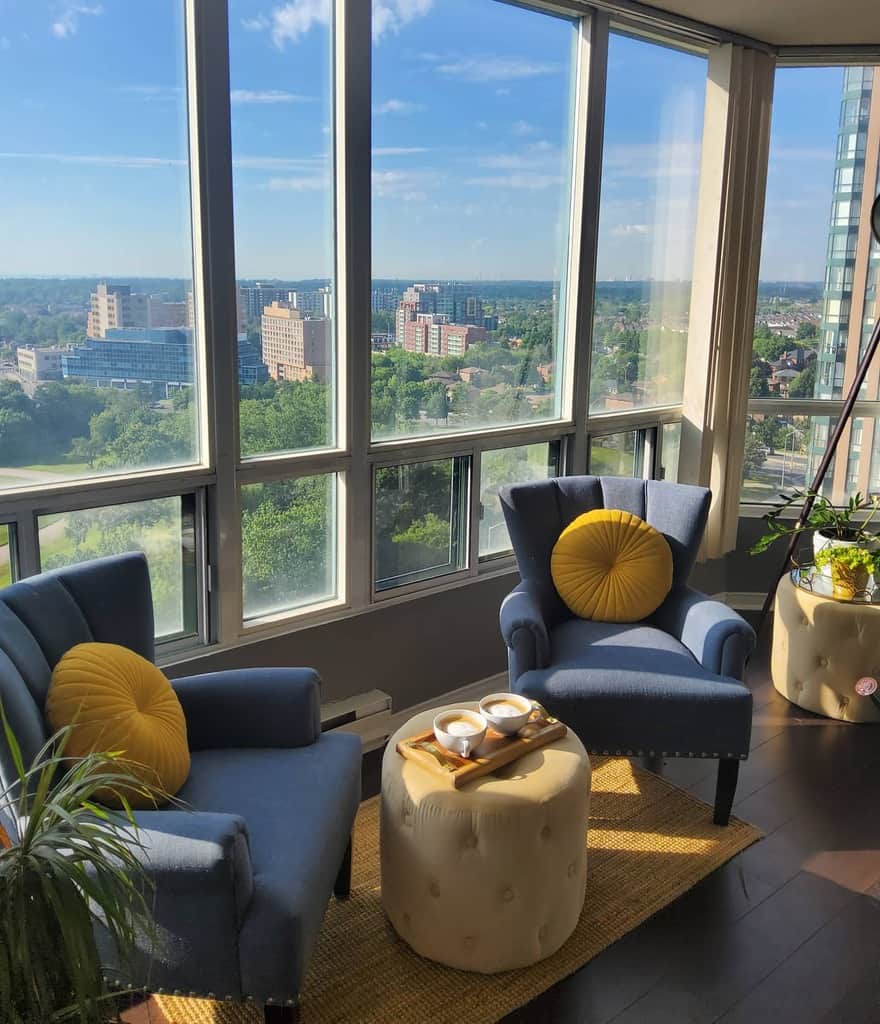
{"x": 471, "y": 103}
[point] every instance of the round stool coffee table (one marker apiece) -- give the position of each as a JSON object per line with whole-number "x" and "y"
{"x": 823, "y": 647}
{"x": 489, "y": 877}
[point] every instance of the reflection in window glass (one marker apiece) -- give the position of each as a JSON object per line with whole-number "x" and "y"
{"x": 281, "y": 76}
{"x": 288, "y": 544}
{"x": 470, "y": 214}
{"x": 670, "y": 444}
{"x": 98, "y": 372}
{"x": 5, "y": 557}
{"x": 647, "y": 223}
{"x": 509, "y": 466}
{"x": 162, "y": 528}
{"x": 620, "y": 454}
{"x": 816, "y": 300}
{"x": 421, "y": 521}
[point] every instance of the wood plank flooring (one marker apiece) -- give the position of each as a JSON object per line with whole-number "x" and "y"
{"x": 788, "y": 931}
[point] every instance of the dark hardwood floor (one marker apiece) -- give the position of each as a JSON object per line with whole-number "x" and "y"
{"x": 787, "y": 931}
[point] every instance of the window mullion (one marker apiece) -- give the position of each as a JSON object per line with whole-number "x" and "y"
{"x": 215, "y": 294}
{"x": 589, "y": 130}
{"x": 353, "y": 132}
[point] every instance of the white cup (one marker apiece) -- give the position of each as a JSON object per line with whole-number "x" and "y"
{"x": 507, "y": 713}
{"x": 460, "y": 730}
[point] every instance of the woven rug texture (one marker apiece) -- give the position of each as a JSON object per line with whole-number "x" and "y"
{"x": 648, "y": 843}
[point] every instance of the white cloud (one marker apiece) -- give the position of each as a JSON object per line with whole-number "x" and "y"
{"x": 503, "y": 91}
{"x": 390, "y": 16}
{"x": 521, "y": 180}
{"x": 523, "y": 128}
{"x": 266, "y": 96}
{"x": 490, "y": 68}
{"x": 67, "y": 22}
{"x": 152, "y": 93}
{"x": 258, "y": 24}
{"x": 408, "y": 186}
{"x": 97, "y": 159}
{"x": 628, "y": 230}
{"x": 306, "y": 164}
{"x": 5, "y": 43}
{"x": 652, "y": 161}
{"x": 292, "y": 20}
{"x": 301, "y": 183}
{"x": 397, "y": 107}
{"x": 399, "y": 150}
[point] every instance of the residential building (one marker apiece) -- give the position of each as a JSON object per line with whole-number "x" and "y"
{"x": 432, "y": 334}
{"x": 254, "y": 298}
{"x": 295, "y": 347}
{"x": 850, "y": 301}
{"x": 384, "y": 300}
{"x": 116, "y": 305}
{"x": 313, "y": 302}
{"x": 448, "y": 300}
{"x": 38, "y": 364}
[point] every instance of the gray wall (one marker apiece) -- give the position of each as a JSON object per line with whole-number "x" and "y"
{"x": 414, "y": 650}
{"x": 433, "y": 644}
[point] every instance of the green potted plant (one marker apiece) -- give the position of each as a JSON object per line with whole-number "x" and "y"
{"x": 66, "y": 864}
{"x": 850, "y": 568}
{"x": 834, "y": 526}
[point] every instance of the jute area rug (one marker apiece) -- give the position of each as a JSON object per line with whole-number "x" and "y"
{"x": 648, "y": 843}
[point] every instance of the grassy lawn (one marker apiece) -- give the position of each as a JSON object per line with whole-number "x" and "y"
{"x": 610, "y": 462}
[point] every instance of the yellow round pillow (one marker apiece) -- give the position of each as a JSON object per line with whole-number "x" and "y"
{"x": 118, "y": 701}
{"x": 611, "y": 566}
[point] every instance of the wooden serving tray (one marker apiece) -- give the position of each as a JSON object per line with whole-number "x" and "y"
{"x": 495, "y": 751}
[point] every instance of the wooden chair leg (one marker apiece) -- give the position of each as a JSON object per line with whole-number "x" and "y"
{"x": 281, "y": 1014}
{"x": 342, "y": 885}
{"x": 728, "y": 771}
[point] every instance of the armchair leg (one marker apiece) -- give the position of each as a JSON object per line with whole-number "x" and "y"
{"x": 728, "y": 771}
{"x": 342, "y": 885}
{"x": 281, "y": 1014}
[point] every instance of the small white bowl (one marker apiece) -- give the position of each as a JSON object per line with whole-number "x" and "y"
{"x": 506, "y": 724}
{"x": 459, "y": 742}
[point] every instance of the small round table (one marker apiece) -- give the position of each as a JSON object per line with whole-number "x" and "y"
{"x": 821, "y": 648}
{"x": 492, "y": 876}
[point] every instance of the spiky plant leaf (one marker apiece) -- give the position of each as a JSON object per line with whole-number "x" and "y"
{"x": 72, "y": 865}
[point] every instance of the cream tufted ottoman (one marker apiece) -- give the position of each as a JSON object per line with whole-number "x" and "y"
{"x": 489, "y": 877}
{"x": 821, "y": 647}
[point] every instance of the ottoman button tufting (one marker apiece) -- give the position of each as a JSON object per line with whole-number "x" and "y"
{"x": 507, "y": 894}
{"x": 542, "y": 934}
{"x": 434, "y": 890}
{"x": 571, "y": 869}
{"x": 545, "y": 832}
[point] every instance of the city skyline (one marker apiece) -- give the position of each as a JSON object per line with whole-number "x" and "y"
{"x": 463, "y": 145}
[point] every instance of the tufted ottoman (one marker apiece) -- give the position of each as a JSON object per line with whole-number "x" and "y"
{"x": 821, "y": 647}
{"x": 491, "y": 876}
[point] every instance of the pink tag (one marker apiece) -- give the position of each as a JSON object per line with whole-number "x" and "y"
{"x": 866, "y": 686}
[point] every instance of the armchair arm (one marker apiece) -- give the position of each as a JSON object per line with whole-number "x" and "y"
{"x": 719, "y": 638}
{"x": 524, "y": 630}
{"x": 258, "y": 707}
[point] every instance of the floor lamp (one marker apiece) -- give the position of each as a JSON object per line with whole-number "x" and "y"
{"x": 842, "y": 421}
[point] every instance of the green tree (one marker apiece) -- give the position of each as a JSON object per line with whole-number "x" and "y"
{"x": 807, "y": 330}
{"x": 758, "y": 383}
{"x": 804, "y": 385}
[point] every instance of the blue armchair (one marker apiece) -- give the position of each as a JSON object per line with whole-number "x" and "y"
{"x": 241, "y": 884}
{"x": 670, "y": 685}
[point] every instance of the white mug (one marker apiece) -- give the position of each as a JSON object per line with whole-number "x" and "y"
{"x": 507, "y": 721}
{"x": 460, "y": 730}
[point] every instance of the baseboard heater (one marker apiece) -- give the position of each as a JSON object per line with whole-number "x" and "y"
{"x": 368, "y": 715}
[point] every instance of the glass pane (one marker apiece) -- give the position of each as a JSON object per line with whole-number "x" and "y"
{"x": 421, "y": 521}
{"x": 647, "y": 222}
{"x": 807, "y": 333}
{"x": 5, "y": 556}
{"x": 509, "y": 466}
{"x": 281, "y": 74}
{"x": 783, "y": 452}
{"x": 470, "y": 214}
{"x": 288, "y": 536}
{"x": 670, "y": 444}
{"x": 98, "y": 372}
{"x": 162, "y": 528}
{"x": 620, "y": 454}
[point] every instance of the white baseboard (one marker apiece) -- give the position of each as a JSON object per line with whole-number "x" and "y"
{"x": 470, "y": 692}
{"x": 741, "y": 600}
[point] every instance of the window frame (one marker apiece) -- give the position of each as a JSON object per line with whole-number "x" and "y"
{"x": 216, "y": 480}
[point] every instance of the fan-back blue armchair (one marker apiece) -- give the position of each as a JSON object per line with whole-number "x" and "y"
{"x": 243, "y": 882}
{"x": 667, "y": 686}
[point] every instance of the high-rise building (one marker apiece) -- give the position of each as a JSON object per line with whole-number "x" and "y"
{"x": 116, "y": 306}
{"x": 312, "y": 302}
{"x": 38, "y": 364}
{"x": 254, "y": 298}
{"x": 158, "y": 360}
{"x": 295, "y": 347}
{"x": 432, "y": 334}
{"x": 384, "y": 300}
{"x": 240, "y": 314}
{"x": 850, "y": 299}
